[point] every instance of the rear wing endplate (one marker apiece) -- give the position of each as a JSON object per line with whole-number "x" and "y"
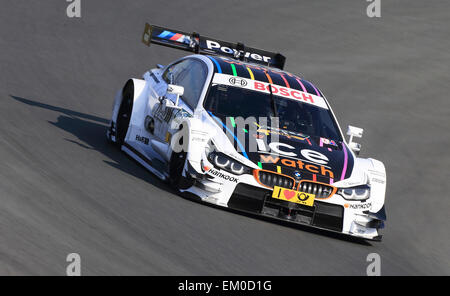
{"x": 193, "y": 42}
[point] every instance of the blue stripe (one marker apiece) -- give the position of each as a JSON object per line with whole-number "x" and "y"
{"x": 219, "y": 69}
{"x": 237, "y": 140}
{"x": 164, "y": 35}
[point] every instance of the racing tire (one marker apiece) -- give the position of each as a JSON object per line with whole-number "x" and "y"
{"x": 176, "y": 166}
{"x": 124, "y": 114}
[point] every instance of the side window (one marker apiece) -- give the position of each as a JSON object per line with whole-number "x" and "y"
{"x": 175, "y": 70}
{"x": 191, "y": 74}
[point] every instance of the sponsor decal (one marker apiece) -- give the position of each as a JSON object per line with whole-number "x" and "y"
{"x": 238, "y": 81}
{"x": 287, "y": 134}
{"x": 281, "y": 148}
{"x": 197, "y": 139}
{"x": 377, "y": 180}
{"x": 314, "y": 156}
{"x": 297, "y": 164}
{"x": 361, "y": 206}
{"x": 142, "y": 139}
{"x": 297, "y": 175}
{"x": 351, "y": 184}
{"x": 299, "y": 197}
{"x": 328, "y": 142}
{"x": 277, "y": 90}
{"x": 284, "y": 91}
{"x": 214, "y": 45}
{"x": 174, "y": 37}
{"x": 221, "y": 175}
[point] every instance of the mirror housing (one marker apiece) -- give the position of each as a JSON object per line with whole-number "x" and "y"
{"x": 357, "y": 132}
{"x": 175, "y": 90}
{"x": 355, "y": 147}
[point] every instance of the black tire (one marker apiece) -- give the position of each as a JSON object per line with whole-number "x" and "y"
{"x": 176, "y": 165}
{"x": 124, "y": 114}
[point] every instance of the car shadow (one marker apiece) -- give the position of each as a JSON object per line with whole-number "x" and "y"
{"x": 90, "y": 130}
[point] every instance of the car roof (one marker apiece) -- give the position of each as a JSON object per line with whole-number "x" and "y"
{"x": 261, "y": 73}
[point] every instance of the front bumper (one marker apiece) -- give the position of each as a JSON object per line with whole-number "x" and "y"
{"x": 334, "y": 214}
{"x": 259, "y": 200}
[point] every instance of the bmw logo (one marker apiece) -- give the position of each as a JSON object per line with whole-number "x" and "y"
{"x": 297, "y": 175}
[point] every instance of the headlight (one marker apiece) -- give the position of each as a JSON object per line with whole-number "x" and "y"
{"x": 355, "y": 193}
{"x": 222, "y": 161}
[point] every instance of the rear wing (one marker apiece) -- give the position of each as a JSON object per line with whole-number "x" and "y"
{"x": 193, "y": 42}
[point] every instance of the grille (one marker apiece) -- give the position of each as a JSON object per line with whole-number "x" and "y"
{"x": 271, "y": 179}
{"x": 319, "y": 189}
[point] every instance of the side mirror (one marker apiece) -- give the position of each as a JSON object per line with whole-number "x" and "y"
{"x": 175, "y": 90}
{"x": 357, "y": 132}
{"x": 355, "y": 147}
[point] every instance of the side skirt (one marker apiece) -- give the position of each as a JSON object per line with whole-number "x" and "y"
{"x": 143, "y": 160}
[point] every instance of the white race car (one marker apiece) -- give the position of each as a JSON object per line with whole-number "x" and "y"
{"x": 230, "y": 127}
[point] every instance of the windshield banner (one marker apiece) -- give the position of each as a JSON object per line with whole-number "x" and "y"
{"x": 277, "y": 90}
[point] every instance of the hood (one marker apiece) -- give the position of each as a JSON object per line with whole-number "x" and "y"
{"x": 294, "y": 154}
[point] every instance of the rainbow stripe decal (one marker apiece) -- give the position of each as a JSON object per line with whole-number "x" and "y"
{"x": 259, "y": 73}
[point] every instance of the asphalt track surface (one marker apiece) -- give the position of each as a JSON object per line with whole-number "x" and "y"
{"x": 64, "y": 189}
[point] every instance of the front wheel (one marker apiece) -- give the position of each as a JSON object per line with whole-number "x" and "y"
{"x": 176, "y": 166}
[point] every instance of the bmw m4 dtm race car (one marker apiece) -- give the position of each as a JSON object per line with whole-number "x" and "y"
{"x": 229, "y": 126}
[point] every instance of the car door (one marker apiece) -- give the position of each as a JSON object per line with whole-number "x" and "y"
{"x": 191, "y": 73}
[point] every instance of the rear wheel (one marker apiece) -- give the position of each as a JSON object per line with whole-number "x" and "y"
{"x": 124, "y": 114}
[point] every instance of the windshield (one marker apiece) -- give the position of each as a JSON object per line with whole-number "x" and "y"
{"x": 296, "y": 116}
